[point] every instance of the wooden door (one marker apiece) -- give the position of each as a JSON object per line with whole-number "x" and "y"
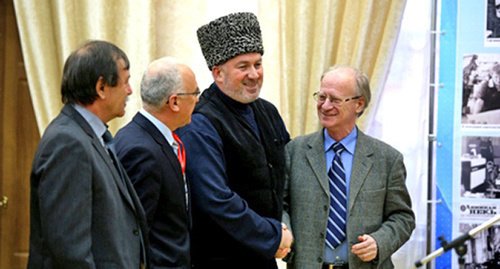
{"x": 19, "y": 137}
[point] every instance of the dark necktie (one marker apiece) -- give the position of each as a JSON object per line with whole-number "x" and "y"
{"x": 110, "y": 147}
{"x": 181, "y": 156}
{"x": 336, "y": 228}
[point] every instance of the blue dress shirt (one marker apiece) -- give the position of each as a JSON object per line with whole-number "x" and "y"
{"x": 340, "y": 254}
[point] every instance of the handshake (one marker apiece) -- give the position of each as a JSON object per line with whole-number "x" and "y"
{"x": 286, "y": 243}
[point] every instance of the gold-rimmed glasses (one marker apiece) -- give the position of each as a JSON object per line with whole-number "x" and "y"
{"x": 321, "y": 97}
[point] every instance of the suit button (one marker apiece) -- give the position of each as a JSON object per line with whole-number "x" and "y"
{"x": 320, "y": 259}
{"x": 321, "y": 235}
{"x": 325, "y": 208}
{"x": 136, "y": 231}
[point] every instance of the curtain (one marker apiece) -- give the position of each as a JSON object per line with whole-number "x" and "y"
{"x": 51, "y": 30}
{"x": 318, "y": 34}
{"x": 401, "y": 118}
{"x": 301, "y": 39}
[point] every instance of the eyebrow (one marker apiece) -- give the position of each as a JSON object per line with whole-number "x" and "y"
{"x": 247, "y": 61}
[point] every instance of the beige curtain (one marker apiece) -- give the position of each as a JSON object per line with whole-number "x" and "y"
{"x": 317, "y": 34}
{"x": 301, "y": 39}
{"x": 51, "y": 30}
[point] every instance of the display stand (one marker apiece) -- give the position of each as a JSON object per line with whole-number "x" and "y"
{"x": 458, "y": 244}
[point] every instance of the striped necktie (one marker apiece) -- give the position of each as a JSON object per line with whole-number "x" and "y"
{"x": 336, "y": 228}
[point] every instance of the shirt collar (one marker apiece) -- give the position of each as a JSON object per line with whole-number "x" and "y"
{"x": 349, "y": 142}
{"x": 164, "y": 130}
{"x": 95, "y": 122}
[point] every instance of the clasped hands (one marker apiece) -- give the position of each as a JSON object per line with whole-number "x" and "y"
{"x": 286, "y": 242}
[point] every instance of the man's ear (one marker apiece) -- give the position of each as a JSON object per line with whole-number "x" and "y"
{"x": 360, "y": 105}
{"x": 173, "y": 102}
{"x": 100, "y": 87}
{"x": 217, "y": 74}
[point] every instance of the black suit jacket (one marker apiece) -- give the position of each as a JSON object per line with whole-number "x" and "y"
{"x": 157, "y": 177}
{"x": 83, "y": 215}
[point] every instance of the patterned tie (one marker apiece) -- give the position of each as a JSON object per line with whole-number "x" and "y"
{"x": 336, "y": 228}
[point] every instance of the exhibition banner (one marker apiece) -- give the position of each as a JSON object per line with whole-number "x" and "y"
{"x": 468, "y": 130}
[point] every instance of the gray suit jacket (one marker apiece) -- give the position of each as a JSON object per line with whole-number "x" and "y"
{"x": 82, "y": 214}
{"x": 379, "y": 203}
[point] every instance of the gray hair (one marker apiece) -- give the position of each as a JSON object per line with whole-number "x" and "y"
{"x": 156, "y": 88}
{"x": 362, "y": 86}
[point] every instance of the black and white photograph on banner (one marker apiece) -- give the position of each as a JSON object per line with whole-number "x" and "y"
{"x": 480, "y": 162}
{"x": 481, "y": 91}
{"x": 492, "y": 31}
{"x": 483, "y": 250}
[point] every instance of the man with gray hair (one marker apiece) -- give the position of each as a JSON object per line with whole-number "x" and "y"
{"x": 346, "y": 201}
{"x": 147, "y": 148}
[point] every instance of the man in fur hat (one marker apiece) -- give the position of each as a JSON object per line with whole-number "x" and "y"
{"x": 236, "y": 159}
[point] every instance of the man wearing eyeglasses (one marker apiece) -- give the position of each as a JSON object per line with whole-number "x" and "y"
{"x": 235, "y": 147}
{"x": 346, "y": 201}
{"x": 154, "y": 159}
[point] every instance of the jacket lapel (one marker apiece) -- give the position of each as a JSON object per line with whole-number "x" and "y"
{"x": 362, "y": 163}
{"x": 96, "y": 143}
{"x": 316, "y": 157}
{"x": 158, "y": 137}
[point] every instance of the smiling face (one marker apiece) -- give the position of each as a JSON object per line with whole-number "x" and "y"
{"x": 339, "y": 120}
{"x": 241, "y": 77}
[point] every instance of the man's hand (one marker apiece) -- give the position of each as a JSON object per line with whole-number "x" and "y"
{"x": 286, "y": 242}
{"x": 367, "y": 249}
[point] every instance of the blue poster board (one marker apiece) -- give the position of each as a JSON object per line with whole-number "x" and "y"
{"x": 468, "y": 135}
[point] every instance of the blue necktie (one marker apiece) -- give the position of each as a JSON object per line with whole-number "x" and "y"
{"x": 336, "y": 228}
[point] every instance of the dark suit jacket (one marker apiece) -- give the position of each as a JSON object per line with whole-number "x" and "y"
{"x": 379, "y": 203}
{"x": 157, "y": 177}
{"x": 82, "y": 214}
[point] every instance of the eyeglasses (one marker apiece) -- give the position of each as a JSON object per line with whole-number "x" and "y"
{"x": 321, "y": 97}
{"x": 196, "y": 93}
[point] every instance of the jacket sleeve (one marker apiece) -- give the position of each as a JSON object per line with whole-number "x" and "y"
{"x": 65, "y": 199}
{"x": 399, "y": 219}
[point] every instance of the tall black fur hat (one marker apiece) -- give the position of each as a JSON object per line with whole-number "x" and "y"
{"x": 229, "y": 36}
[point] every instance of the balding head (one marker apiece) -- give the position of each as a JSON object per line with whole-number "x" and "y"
{"x": 162, "y": 78}
{"x": 360, "y": 80}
